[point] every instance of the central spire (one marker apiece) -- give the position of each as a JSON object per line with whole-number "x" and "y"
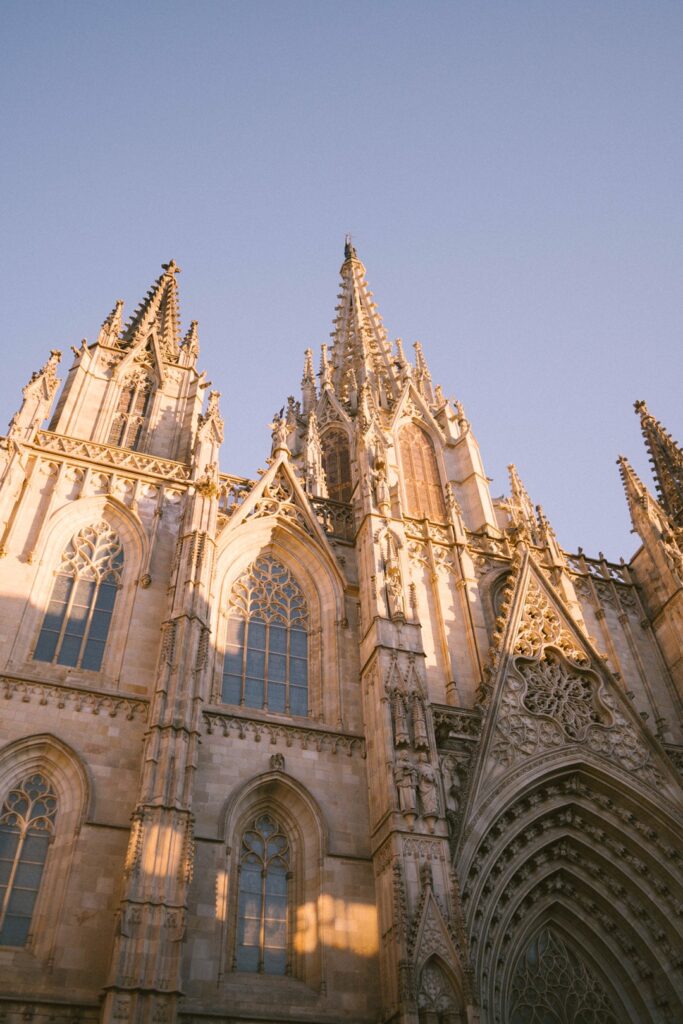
{"x": 360, "y": 349}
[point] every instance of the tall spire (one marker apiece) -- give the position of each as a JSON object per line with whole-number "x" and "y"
{"x": 422, "y": 376}
{"x": 158, "y": 314}
{"x": 309, "y": 392}
{"x": 359, "y": 338}
{"x": 667, "y": 463}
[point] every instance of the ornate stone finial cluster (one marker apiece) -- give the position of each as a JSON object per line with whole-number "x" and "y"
{"x": 190, "y": 343}
{"x": 111, "y": 327}
{"x": 666, "y": 458}
{"x": 309, "y": 392}
{"x": 349, "y": 250}
{"x": 521, "y": 509}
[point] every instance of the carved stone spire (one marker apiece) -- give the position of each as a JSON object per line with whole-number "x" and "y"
{"x": 422, "y": 376}
{"x": 359, "y": 339}
{"x": 111, "y": 328}
{"x": 190, "y": 343}
{"x": 667, "y": 463}
{"x": 309, "y": 393}
{"x": 158, "y": 314}
{"x": 521, "y": 508}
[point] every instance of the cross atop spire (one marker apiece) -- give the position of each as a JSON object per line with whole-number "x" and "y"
{"x": 159, "y": 314}
{"x": 667, "y": 463}
{"x": 360, "y": 347}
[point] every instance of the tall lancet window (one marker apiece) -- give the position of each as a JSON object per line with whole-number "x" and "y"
{"x": 76, "y": 624}
{"x": 421, "y": 474}
{"x": 264, "y": 871}
{"x": 266, "y": 657}
{"x": 131, "y": 412}
{"x": 27, "y": 822}
{"x": 337, "y": 464}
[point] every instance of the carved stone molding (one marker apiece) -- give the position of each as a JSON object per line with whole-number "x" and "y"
{"x": 276, "y": 732}
{"x": 74, "y": 698}
{"x": 117, "y": 458}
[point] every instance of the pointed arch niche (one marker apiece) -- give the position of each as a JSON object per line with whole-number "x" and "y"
{"x": 274, "y": 808}
{"x": 421, "y": 478}
{"x": 66, "y": 799}
{"x": 69, "y": 537}
{"x": 310, "y": 598}
{"x": 337, "y": 463}
{"x": 574, "y": 870}
{"x": 438, "y": 1001}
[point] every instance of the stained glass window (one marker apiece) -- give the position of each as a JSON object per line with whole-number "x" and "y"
{"x": 27, "y": 819}
{"x": 337, "y": 464}
{"x": 262, "y": 925}
{"x": 424, "y": 493}
{"x": 266, "y": 657}
{"x": 76, "y": 624}
{"x": 129, "y": 419}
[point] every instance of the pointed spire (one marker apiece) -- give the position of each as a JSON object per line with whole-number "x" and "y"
{"x": 190, "y": 343}
{"x": 521, "y": 508}
{"x": 309, "y": 392}
{"x": 423, "y": 377}
{"x": 640, "y": 501}
{"x": 667, "y": 463}
{"x": 359, "y": 338}
{"x": 111, "y": 328}
{"x": 158, "y": 314}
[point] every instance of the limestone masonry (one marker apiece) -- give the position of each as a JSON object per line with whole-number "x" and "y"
{"x": 349, "y": 742}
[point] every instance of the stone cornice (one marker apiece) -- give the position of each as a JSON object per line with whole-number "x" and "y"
{"x": 74, "y": 698}
{"x": 309, "y": 737}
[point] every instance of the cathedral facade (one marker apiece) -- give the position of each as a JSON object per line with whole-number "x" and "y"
{"x": 352, "y": 741}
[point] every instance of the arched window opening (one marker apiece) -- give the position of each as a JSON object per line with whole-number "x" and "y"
{"x": 552, "y": 983}
{"x": 436, "y": 999}
{"x": 263, "y": 911}
{"x": 337, "y": 464}
{"x": 424, "y": 493}
{"x": 131, "y": 412}
{"x": 27, "y": 821}
{"x": 266, "y": 658}
{"x": 78, "y": 617}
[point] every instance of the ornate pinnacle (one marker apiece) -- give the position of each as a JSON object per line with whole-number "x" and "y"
{"x": 349, "y": 250}
{"x": 111, "y": 328}
{"x": 666, "y": 458}
{"x": 190, "y": 342}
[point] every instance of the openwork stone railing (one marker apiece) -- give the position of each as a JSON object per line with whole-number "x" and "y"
{"x": 335, "y": 517}
{"x": 118, "y": 458}
{"x": 274, "y": 733}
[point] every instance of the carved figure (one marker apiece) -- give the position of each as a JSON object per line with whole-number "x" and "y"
{"x": 381, "y": 486}
{"x": 427, "y": 785}
{"x": 405, "y": 776}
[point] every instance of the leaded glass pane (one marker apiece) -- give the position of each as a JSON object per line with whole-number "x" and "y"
{"x": 267, "y": 639}
{"x": 26, "y": 825}
{"x": 263, "y": 899}
{"x": 78, "y": 617}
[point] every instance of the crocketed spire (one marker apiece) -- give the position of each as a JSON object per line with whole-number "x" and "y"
{"x": 667, "y": 463}
{"x": 158, "y": 314}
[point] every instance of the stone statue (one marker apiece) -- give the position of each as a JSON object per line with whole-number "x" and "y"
{"x": 405, "y": 776}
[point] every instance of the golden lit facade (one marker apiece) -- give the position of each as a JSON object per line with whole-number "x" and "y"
{"x": 351, "y": 741}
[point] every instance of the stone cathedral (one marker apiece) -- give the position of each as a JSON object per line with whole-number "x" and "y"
{"x": 353, "y": 741}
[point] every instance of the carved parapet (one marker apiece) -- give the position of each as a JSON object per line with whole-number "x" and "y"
{"x": 335, "y": 517}
{"x": 94, "y": 702}
{"x": 452, "y": 725}
{"x": 131, "y": 461}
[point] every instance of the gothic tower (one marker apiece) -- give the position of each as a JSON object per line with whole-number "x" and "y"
{"x": 350, "y": 741}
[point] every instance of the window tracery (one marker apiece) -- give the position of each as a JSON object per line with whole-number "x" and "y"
{"x": 266, "y": 658}
{"x": 131, "y": 411}
{"x": 551, "y": 984}
{"x": 337, "y": 464}
{"x": 27, "y": 820}
{"x": 78, "y": 617}
{"x": 424, "y": 494}
{"x": 263, "y": 912}
{"x": 436, "y": 1000}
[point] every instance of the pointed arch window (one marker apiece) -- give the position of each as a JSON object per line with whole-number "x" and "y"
{"x": 424, "y": 493}
{"x": 27, "y": 822}
{"x": 263, "y": 900}
{"x": 337, "y": 464}
{"x": 78, "y": 617}
{"x": 266, "y": 658}
{"x": 131, "y": 412}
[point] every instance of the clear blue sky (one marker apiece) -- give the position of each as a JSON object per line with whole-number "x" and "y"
{"x": 511, "y": 173}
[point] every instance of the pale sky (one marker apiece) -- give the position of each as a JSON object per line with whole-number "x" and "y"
{"x": 511, "y": 174}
